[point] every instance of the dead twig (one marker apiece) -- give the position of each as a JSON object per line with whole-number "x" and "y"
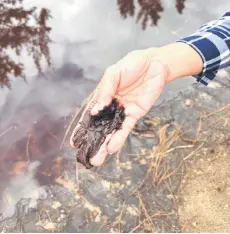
{"x": 216, "y": 111}
{"x": 52, "y": 227}
{"x": 77, "y": 175}
{"x": 166, "y": 176}
{"x": 68, "y": 129}
{"x": 193, "y": 152}
{"x": 139, "y": 225}
{"x": 104, "y": 224}
{"x": 27, "y": 148}
{"x": 7, "y": 130}
{"x": 145, "y": 220}
{"x": 158, "y": 153}
{"x": 199, "y": 128}
{"x": 70, "y": 186}
{"x": 120, "y": 216}
{"x": 145, "y": 210}
{"x": 179, "y": 147}
{"x": 188, "y": 140}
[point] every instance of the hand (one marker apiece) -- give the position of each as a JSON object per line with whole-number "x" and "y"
{"x": 136, "y": 81}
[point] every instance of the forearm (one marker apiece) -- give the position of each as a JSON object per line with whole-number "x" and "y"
{"x": 201, "y": 54}
{"x": 180, "y": 59}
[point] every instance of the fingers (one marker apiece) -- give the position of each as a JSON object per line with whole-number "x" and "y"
{"x": 114, "y": 141}
{"x": 134, "y": 111}
{"x": 99, "y": 158}
{"x": 118, "y": 139}
{"x": 106, "y": 89}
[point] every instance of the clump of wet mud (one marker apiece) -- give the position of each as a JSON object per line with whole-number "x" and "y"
{"x": 93, "y": 130}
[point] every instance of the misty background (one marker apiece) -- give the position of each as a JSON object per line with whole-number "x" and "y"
{"x": 87, "y": 36}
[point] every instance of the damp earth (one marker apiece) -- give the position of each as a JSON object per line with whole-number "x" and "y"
{"x": 93, "y": 130}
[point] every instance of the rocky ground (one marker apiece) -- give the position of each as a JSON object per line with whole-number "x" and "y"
{"x": 171, "y": 176}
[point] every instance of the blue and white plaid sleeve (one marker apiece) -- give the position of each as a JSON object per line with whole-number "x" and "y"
{"x": 212, "y": 42}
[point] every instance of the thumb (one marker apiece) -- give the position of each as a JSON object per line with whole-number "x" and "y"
{"x": 107, "y": 89}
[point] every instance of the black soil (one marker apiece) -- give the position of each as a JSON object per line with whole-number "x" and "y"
{"x": 93, "y": 130}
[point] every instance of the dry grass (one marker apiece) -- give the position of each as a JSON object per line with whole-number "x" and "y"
{"x": 216, "y": 111}
{"x": 145, "y": 211}
{"x": 161, "y": 172}
{"x": 159, "y": 214}
{"x": 158, "y": 172}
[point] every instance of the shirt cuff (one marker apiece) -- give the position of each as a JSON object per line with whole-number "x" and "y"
{"x": 212, "y": 49}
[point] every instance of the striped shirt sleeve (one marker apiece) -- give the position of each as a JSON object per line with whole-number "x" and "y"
{"x": 212, "y": 42}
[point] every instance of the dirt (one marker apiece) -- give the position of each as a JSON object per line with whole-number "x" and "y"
{"x": 92, "y": 130}
{"x": 205, "y": 197}
{"x": 171, "y": 175}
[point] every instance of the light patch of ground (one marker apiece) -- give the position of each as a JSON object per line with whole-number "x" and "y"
{"x": 204, "y": 204}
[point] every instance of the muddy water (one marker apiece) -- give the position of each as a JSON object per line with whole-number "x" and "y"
{"x": 87, "y": 37}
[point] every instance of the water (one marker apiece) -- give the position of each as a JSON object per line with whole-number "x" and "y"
{"x": 93, "y": 35}
{"x": 87, "y": 36}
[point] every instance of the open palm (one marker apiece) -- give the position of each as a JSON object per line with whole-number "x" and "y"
{"x": 136, "y": 81}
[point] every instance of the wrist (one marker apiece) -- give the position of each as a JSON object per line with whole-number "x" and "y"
{"x": 179, "y": 59}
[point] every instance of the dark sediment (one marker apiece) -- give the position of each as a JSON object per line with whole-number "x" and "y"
{"x": 93, "y": 130}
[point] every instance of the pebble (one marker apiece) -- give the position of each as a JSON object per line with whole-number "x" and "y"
{"x": 188, "y": 103}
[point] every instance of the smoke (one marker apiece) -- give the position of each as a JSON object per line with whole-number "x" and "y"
{"x": 23, "y": 186}
{"x": 88, "y": 36}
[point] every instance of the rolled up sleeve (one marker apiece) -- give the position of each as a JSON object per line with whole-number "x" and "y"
{"x": 212, "y": 42}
